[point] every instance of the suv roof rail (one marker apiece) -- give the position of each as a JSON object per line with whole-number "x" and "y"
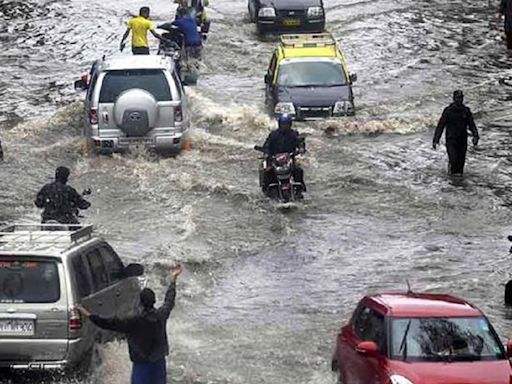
{"x": 46, "y": 234}
{"x": 307, "y": 40}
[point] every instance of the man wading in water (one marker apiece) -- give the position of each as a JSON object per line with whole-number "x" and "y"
{"x": 505, "y": 9}
{"x": 457, "y": 119}
{"x": 146, "y": 333}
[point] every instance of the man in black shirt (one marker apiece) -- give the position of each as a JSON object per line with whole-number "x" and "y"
{"x": 146, "y": 333}
{"x": 60, "y": 201}
{"x": 457, "y": 119}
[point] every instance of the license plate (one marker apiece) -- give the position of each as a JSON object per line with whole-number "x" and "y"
{"x": 291, "y": 22}
{"x": 16, "y": 327}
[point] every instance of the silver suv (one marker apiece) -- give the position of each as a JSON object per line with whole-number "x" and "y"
{"x": 134, "y": 101}
{"x": 44, "y": 275}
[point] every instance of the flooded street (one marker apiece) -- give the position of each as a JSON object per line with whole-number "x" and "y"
{"x": 265, "y": 291}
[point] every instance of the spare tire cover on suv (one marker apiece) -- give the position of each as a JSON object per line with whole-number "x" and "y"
{"x": 136, "y": 112}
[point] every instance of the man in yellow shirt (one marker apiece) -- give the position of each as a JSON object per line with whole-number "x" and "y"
{"x": 139, "y": 26}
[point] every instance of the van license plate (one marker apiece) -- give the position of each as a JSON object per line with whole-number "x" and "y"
{"x": 291, "y": 22}
{"x": 16, "y": 327}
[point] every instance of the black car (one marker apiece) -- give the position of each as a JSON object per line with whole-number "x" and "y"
{"x": 284, "y": 16}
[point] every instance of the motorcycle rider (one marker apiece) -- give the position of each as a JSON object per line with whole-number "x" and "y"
{"x": 283, "y": 140}
{"x": 187, "y": 25}
{"x": 457, "y": 118}
{"x": 146, "y": 333}
{"x": 59, "y": 200}
{"x": 197, "y": 9}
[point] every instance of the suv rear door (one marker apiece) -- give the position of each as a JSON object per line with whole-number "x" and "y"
{"x": 115, "y": 82}
{"x": 33, "y": 309}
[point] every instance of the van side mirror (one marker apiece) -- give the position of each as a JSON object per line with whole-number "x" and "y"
{"x": 367, "y": 348}
{"x": 268, "y": 78}
{"x": 353, "y": 77}
{"x": 509, "y": 349}
{"x": 133, "y": 270}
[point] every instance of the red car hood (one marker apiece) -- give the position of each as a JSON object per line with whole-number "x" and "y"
{"x": 477, "y": 372}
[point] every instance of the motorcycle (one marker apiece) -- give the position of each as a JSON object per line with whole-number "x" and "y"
{"x": 71, "y": 224}
{"x": 282, "y": 185}
{"x": 172, "y": 45}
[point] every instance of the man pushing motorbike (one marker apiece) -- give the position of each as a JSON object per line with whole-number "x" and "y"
{"x": 59, "y": 200}
{"x": 283, "y": 140}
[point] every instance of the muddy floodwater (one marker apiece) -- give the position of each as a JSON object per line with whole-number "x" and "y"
{"x": 266, "y": 290}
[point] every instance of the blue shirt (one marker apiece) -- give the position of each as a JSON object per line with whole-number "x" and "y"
{"x": 188, "y": 26}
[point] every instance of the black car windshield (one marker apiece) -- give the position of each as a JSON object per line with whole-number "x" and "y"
{"x": 29, "y": 281}
{"x": 311, "y": 73}
{"x": 444, "y": 339}
{"x": 151, "y": 80}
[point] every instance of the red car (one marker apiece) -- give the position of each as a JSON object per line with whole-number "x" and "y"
{"x": 411, "y": 338}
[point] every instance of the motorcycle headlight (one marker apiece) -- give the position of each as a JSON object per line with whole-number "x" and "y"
{"x": 284, "y": 108}
{"x": 267, "y": 12}
{"x": 344, "y": 107}
{"x": 397, "y": 379}
{"x": 315, "y": 12}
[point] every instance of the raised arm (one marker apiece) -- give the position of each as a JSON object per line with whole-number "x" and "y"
{"x": 170, "y": 296}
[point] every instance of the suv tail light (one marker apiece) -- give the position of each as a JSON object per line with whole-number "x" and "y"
{"x": 178, "y": 113}
{"x": 75, "y": 320}
{"x": 93, "y": 116}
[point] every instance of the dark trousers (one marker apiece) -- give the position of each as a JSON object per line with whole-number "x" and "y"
{"x": 140, "y": 50}
{"x": 508, "y": 36}
{"x": 457, "y": 154}
{"x": 149, "y": 373}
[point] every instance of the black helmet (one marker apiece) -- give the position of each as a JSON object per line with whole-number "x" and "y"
{"x": 284, "y": 121}
{"x": 62, "y": 174}
{"x": 458, "y": 96}
{"x": 147, "y": 298}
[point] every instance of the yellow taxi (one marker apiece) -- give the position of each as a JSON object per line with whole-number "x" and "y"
{"x": 308, "y": 78}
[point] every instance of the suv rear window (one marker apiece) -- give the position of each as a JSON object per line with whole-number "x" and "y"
{"x": 29, "y": 281}
{"x": 151, "y": 80}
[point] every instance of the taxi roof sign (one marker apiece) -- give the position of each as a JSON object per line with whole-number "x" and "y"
{"x": 307, "y": 40}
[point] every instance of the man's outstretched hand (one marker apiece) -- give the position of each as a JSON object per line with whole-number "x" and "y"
{"x": 83, "y": 311}
{"x": 475, "y": 141}
{"x": 175, "y": 272}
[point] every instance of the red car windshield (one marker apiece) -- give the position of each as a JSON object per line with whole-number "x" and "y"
{"x": 444, "y": 339}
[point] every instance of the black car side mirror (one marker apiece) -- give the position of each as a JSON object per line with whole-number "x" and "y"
{"x": 259, "y": 148}
{"x": 353, "y": 77}
{"x": 81, "y": 84}
{"x": 268, "y": 78}
{"x": 133, "y": 270}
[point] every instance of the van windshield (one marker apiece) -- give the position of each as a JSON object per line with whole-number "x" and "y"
{"x": 29, "y": 281}
{"x": 151, "y": 80}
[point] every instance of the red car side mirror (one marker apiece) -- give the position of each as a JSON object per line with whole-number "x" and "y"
{"x": 509, "y": 349}
{"x": 367, "y": 348}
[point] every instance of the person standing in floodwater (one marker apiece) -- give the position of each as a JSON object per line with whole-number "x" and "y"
{"x": 457, "y": 119}
{"x": 505, "y": 10}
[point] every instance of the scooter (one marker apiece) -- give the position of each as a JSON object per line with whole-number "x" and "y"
{"x": 172, "y": 45}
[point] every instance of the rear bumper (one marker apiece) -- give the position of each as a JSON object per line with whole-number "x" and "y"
{"x": 276, "y": 25}
{"x": 160, "y": 143}
{"x": 39, "y": 353}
